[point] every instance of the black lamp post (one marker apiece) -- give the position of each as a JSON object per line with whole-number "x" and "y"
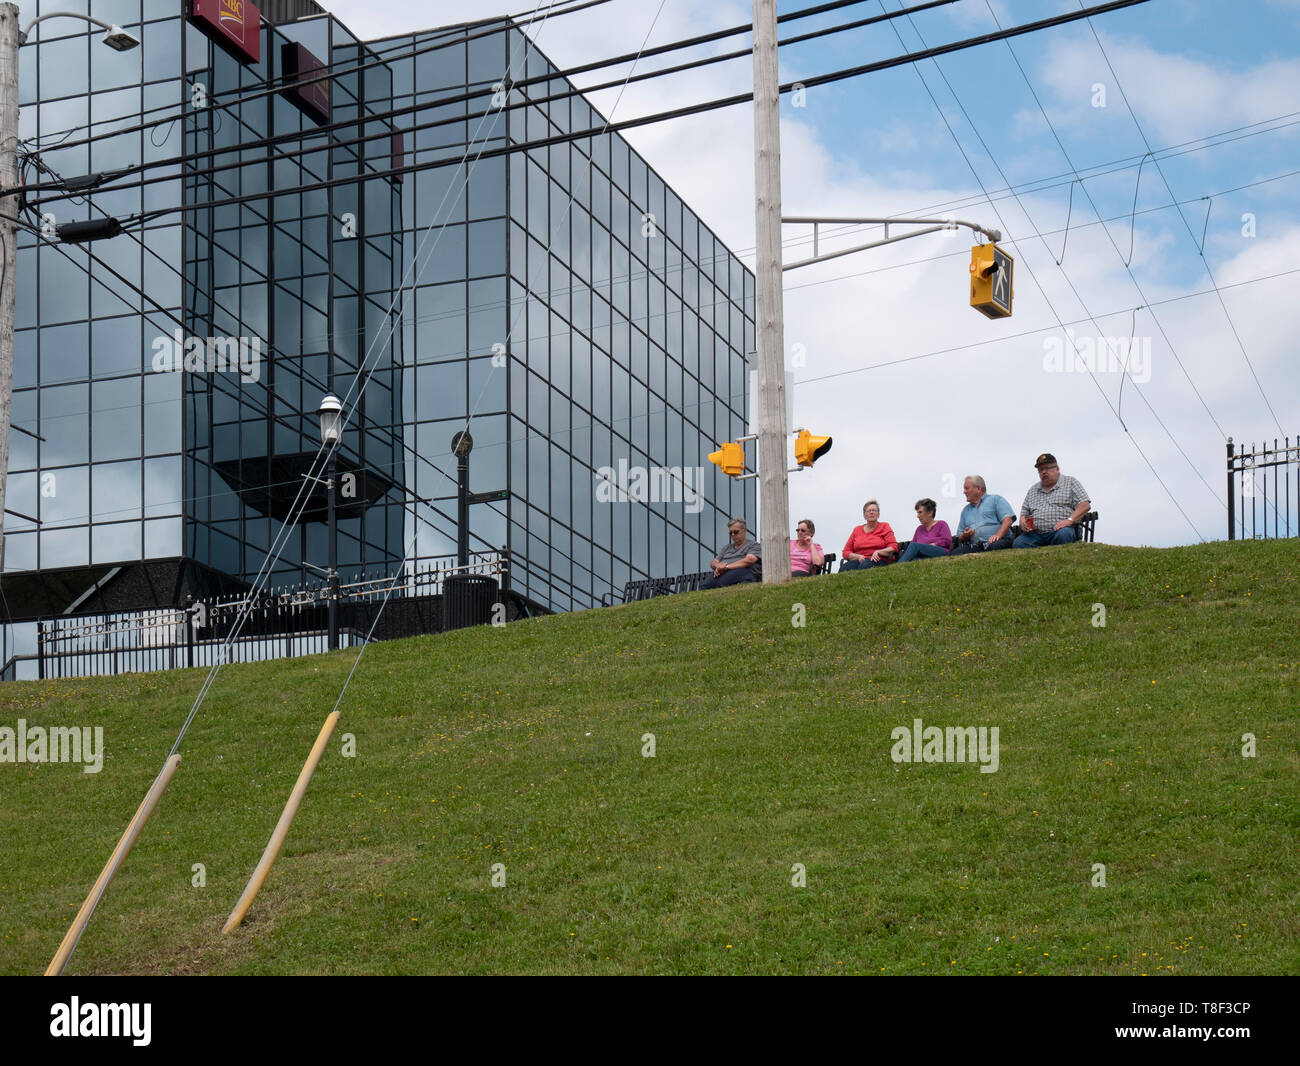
{"x": 331, "y": 428}
{"x": 461, "y": 445}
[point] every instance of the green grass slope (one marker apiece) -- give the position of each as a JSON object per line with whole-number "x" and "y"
{"x": 523, "y": 746}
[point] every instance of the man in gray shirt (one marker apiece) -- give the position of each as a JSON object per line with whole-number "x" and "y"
{"x": 1052, "y": 507}
{"x": 739, "y": 561}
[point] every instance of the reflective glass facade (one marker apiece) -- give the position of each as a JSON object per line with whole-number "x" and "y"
{"x": 561, "y": 301}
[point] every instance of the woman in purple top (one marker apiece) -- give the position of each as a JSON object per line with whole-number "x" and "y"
{"x": 931, "y": 538}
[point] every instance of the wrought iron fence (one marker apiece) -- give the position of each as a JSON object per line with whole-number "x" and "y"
{"x": 171, "y": 638}
{"x": 1264, "y": 490}
{"x": 276, "y": 624}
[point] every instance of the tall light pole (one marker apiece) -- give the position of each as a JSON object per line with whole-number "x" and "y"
{"x": 773, "y": 481}
{"x": 331, "y": 428}
{"x": 10, "y": 39}
{"x": 9, "y": 36}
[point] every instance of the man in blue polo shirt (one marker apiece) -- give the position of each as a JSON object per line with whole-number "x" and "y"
{"x": 985, "y": 522}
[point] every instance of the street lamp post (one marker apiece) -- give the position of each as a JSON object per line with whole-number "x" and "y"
{"x": 461, "y": 445}
{"x": 331, "y": 424}
{"x": 11, "y": 37}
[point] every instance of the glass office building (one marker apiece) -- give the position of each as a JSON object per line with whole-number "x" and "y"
{"x": 359, "y": 218}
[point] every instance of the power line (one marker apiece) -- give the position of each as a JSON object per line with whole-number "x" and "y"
{"x": 523, "y": 104}
{"x": 457, "y": 353}
{"x": 499, "y": 24}
{"x": 1205, "y": 262}
{"x": 1106, "y": 229}
{"x": 491, "y": 28}
{"x": 1034, "y": 332}
{"x": 1025, "y": 260}
{"x": 662, "y": 116}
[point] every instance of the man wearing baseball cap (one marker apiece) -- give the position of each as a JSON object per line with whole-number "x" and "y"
{"x": 1053, "y": 506}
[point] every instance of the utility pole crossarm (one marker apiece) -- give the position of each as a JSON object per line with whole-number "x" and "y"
{"x": 932, "y": 225}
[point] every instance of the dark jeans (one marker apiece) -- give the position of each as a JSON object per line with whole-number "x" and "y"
{"x": 921, "y": 551}
{"x": 1042, "y": 538}
{"x": 959, "y": 548}
{"x": 860, "y": 564}
{"x": 739, "y": 576}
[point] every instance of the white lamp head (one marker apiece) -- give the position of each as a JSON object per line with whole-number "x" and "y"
{"x": 331, "y": 419}
{"x": 120, "y": 40}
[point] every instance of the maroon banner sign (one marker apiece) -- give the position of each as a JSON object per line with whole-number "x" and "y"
{"x": 236, "y": 25}
{"x": 305, "y": 82}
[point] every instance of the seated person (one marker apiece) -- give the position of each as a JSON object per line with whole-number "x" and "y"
{"x": 931, "y": 538}
{"x": 739, "y": 561}
{"x": 870, "y": 544}
{"x": 804, "y": 554}
{"x": 1052, "y": 507}
{"x": 985, "y": 521}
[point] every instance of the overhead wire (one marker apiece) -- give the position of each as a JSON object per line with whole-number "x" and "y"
{"x": 1232, "y": 325}
{"x": 462, "y": 34}
{"x": 440, "y": 104}
{"x": 1106, "y": 229}
{"x": 1033, "y": 276}
{"x": 656, "y": 117}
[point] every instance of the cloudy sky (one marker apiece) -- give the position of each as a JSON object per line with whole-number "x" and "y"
{"x": 917, "y": 388}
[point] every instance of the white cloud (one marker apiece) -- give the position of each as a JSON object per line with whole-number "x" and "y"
{"x": 1176, "y": 98}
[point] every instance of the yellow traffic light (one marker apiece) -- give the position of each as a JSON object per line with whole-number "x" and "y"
{"x": 990, "y": 280}
{"x": 808, "y": 449}
{"x": 731, "y": 457}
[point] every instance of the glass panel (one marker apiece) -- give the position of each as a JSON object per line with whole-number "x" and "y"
{"x": 65, "y": 547}
{"x": 115, "y": 422}
{"x": 115, "y": 491}
{"x": 64, "y": 496}
{"x": 119, "y": 542}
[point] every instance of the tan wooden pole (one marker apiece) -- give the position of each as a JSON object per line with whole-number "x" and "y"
{"x": 276, "y": 842}
{"x": 110, "y": 869}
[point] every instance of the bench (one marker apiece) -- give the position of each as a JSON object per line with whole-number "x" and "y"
{"x": 1085, "y": 531}
{"x": 648, "y": 588}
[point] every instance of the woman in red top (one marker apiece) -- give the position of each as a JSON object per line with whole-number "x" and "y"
{"x": 870, "y": 544}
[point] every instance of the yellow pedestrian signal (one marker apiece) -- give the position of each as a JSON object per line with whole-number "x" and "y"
{"x": 731, "y": 457}
{"x": 990, "y": 280}
{"x": 808, "y": 449}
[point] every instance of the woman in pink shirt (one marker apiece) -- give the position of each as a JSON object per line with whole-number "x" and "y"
{"x": 870, "y": 544}
{"x": 804, "y": 554}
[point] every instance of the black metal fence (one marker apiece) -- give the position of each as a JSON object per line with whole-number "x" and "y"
{"x": 1264, "y": 490}
{"x": 273, "y": 625}
{"x": 176, "y": 637}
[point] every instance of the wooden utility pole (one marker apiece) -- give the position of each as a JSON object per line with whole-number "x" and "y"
{"x": 773, "y": 483}
{"x": 8, "y": 236}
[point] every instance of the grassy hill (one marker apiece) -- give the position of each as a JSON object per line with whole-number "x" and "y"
{"x": 1119, "y": 745}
